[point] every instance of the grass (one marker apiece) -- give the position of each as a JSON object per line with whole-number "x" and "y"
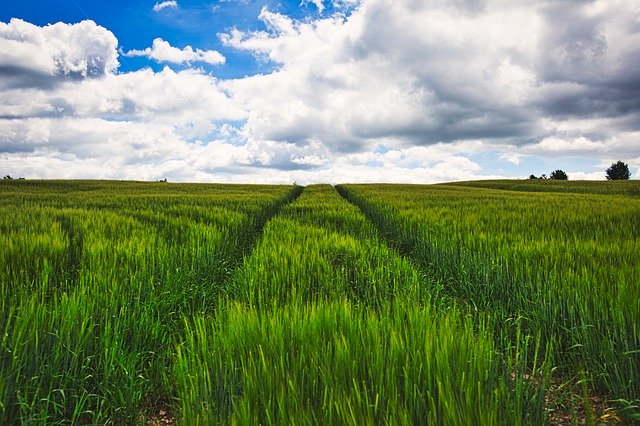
{"x": 326, "y": 324}
{"x": 565, "y": 263}
{"x": 96, "y": 280}
{"x": 339, "y": 362}
{"x": 618, "y": 187}
{"x": 474, "y": 303}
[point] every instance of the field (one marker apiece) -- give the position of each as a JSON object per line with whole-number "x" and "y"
{"x": 497, "y": 302}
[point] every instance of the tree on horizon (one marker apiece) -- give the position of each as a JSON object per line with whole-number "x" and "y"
{"x": 558, "y": 175}
{"x": 618, "y": 171}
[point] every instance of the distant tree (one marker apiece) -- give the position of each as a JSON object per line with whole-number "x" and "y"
{"x": 558, "y": 175}
{"x": 7, "y": 177}
{"x": 532, "y": 177}
{"x": 543, "y": 176}
{"x": 618, "y": 171}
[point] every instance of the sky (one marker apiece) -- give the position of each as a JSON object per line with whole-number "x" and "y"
{"x": 335, "y": 91}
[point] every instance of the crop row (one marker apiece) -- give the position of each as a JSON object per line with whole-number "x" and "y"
{"x": 95, "y": 281}
{"x": 564, "y": 264}
{"x": 325, "y": 324}
{"x": 361, "y": 304}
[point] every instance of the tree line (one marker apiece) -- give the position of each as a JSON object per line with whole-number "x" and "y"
{"x": 618, "y": 171}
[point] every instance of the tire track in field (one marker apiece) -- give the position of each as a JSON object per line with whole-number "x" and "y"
{"x": 453, "y": 277}
{"x": 403, "y": 247}
{"x": 459, "y": 275}
{"x": 226, "y": 258}
{"x": 73, "y": 261}
{"x": 157, "y": 409}
{"x": 323, "y": 248}
{"x": 318, "y": 255}
{"x": 250, "y": 236}
{"x": 247, "y": 237}
{"x": 387, "y": 235}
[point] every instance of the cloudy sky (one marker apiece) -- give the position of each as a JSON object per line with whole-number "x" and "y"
{"x": 318, "y": 90}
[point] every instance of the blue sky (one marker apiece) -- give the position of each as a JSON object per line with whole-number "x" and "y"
{"x": 318, "y": 91}
{"x": 136, "y": 25}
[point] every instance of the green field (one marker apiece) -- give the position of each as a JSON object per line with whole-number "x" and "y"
{"x": 479, "y": 303}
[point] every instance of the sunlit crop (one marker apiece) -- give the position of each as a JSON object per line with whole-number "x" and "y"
{"x": 475, "y": 303}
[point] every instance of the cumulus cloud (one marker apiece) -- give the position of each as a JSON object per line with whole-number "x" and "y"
{"x": 162, "y": 51}
{"x": 33, "y": 56}
{"x": 378, "y": 74}
{"x": 189, "y": 100}
{"x": 515, "y": 75}
{"x": 402, "y": 91}
{"x": 170, "y": 4}
{"x": 87, "y": 120}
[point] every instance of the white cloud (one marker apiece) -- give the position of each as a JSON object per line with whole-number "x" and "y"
{"x": 423, "y": 73}
{"x": 586, "y": 176}
{"x": 392, "y": 91}
{"x": 347, "y": 82}
{"x": 171, "y": 4}
{"x": 162, "y": 51}
{"x": 188, "y": 100}
{"x": 556, "y": 145}
{"x": 511, "y": 157}
{"x": 30, "y": 53}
